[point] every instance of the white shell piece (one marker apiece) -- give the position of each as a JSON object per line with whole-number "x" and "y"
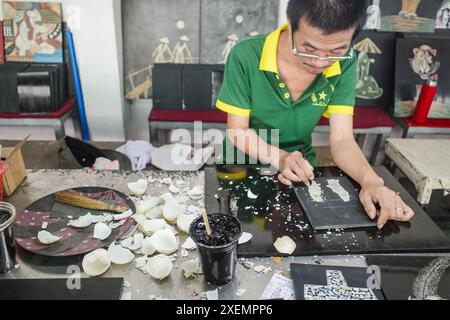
{"x": 139, "y": 218}
{"x": 124, "y": 215}
{"x": 138, "y": 188}
{"x": 262, "y": 269}
{"x": 189, "y": 244}
{"x": 169, "y": 227}
{"x": 168, "y": 197}
{"x": 180, "y": 183}
{"x": 251, "y": 195}
{"x": 153, "y": 213}
{"x": 140, "y": 262}
{"x": 191, "y": 268}
{"x": 105, "y": 217}
{"x": 120, "y": 255}
{"x": 166, "y": 180}
{"x": 159, "y": 266}
{"x": 133, "y": 243}
{"x": 115, "y": 225}
{"x": 151, "y": 226}
{"x": 44, "y": 225}
{"x": 164, "y": 241}
{"x": 241, "y": 291}
{"x": 140, "y": 209}
{"x": 147, "y": 247}
{"x": 145, "y": 205}
{"x": 101, "y": 231}
{"x": 245, "y": 237}
{"x": 151, "y": 202}
{"x": 171, "y": 211}
{"x": 182, "y": 199}
{"x": 184, "y": 221}
{"x": 96, "y": 262}
{"x": 193, "y": 209}
{"x": 172, "y": 258}
{"x": 46, "y": 237}
{"x": 184, "y": 253}
{"x": 196, "y": 192}
{"x": 285, "y": 245}
{"x": 82, "y": 222}
{"x": 212, "y": 295}
{"x": 173, "y": 189}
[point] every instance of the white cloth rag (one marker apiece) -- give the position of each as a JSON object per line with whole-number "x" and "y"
{"x": 138, "y": 151}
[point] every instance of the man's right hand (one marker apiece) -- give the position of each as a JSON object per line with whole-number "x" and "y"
{"x": 294, "y": 168}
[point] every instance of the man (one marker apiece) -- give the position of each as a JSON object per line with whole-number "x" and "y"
{"x": 287, "y": 80}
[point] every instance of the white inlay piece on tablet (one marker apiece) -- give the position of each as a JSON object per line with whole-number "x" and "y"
{"x": 336, "y": 187}
{"x": 315, "y": 192}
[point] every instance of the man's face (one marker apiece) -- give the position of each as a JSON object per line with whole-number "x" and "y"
{"x": 308, "y": 39}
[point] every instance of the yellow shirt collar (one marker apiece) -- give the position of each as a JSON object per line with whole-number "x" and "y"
{"x": 269, "y": 55}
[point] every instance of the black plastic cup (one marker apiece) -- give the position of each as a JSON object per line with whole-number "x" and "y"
{"x": 218, "y": 252}
{"x": 7, "y": 247}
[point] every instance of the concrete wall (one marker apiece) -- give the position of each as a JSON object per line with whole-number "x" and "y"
{"x": 98, "y": 41}
{"x": 282, "y": 12}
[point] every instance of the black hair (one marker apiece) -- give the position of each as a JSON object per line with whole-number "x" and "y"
{"x": 330, "y": 16}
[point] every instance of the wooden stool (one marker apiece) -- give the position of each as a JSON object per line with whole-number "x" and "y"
{"x": 425, "y": 162}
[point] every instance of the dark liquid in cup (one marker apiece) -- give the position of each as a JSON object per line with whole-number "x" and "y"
{"x": 224, "y": 230}
{"x": 218, "y": 251}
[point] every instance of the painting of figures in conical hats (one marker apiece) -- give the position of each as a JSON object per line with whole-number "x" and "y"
{"x": 33, "y": 32}
{"x": 375, "y": 55}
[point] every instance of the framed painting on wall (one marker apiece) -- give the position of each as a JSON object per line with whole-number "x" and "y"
{"x": 418, "y": 60}
{"x": 224, "y": 23}
{"x": 157, "y": 31}
{"x": 33, "y": 32}
{"x": 405, "y": 15}
{"x": 443, "y": 16}
{"x": 375, "y": 69}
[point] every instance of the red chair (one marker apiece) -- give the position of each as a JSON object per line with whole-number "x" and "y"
{"x": 367, "y": 120}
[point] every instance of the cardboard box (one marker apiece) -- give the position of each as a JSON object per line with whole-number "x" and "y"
{"x": 16, "y": 172}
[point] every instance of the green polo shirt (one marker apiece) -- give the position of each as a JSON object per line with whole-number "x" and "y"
{"x": 252, "y": 88}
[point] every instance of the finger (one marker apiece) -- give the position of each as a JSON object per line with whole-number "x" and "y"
{"x": 406, "y": 213}
{"x": 298, "y": 171}
{"x": 369, "y": 207}
{"x": 289, "y": 174}
{"x": 387, "y": 205}
{"x": 307, "y": 168}
{"x": 283, "y": 180}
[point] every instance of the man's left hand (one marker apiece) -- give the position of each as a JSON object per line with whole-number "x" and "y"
{"x": 392, "y": 206}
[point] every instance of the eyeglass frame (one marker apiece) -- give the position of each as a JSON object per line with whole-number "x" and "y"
{"x": 297, "y": 53}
